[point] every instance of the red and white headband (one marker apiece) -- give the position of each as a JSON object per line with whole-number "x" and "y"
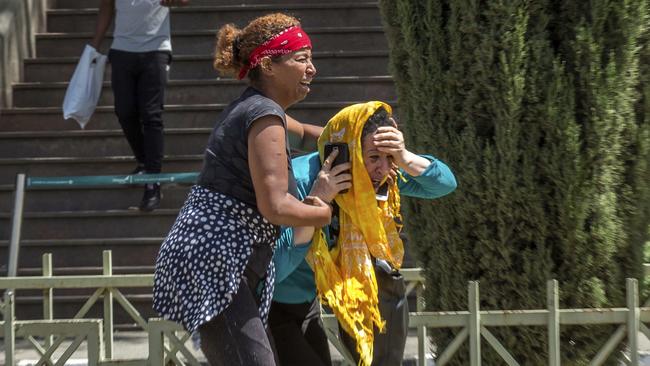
{"x": 289, "y": 40}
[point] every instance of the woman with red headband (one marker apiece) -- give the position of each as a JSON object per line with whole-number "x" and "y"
{"x": 214, "y": 272}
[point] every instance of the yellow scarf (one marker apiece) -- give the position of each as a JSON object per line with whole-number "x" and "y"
{"x": 345, "y": 276}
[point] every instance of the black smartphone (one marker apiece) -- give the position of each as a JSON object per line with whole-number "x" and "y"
{"x": 342, "y": 157}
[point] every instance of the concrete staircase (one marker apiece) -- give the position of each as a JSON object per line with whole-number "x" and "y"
{"x": 351, "y": 56}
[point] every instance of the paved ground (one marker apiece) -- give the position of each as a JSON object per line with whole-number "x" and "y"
{"x": 133, "y": 345}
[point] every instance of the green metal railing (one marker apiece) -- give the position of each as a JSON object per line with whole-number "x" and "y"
{"x": 23, "y": 183}
{"x": 167, "y": 339}
{"x": 107, "y": 287}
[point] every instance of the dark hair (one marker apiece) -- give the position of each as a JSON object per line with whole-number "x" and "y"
{"x": 380, "y": 118}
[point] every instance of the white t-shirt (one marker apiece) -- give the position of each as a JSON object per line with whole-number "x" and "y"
{"x": 141, "y": 26}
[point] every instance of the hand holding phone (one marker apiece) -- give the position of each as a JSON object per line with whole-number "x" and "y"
{"x": 334, "y": 176}
{"x": 342, "y": 157}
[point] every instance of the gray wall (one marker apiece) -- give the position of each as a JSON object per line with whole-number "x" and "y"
{"x": 19, "y": 21}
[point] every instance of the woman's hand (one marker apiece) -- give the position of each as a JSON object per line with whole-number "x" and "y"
{"x": 390, "y": 140}
{"x": 330, "y": 181}
{"x": 302, "y": 235}
{"x": 322, "y": 206}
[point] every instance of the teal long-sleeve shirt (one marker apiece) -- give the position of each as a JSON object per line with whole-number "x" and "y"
{"x": 294, "y": 279}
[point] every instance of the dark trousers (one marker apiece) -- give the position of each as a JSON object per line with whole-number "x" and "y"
{"x": 299, "y": 335}
{"x": 388, "y": 347}
{"x": 138, "y": 81}
{"x": 237, "y": 336}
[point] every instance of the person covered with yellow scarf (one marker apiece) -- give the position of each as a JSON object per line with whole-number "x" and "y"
{"x": 352, "y": 265}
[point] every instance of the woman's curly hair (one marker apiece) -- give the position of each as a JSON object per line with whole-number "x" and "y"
{"x": 234, "y": 45}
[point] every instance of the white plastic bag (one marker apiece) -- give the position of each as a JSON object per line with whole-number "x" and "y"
{"x": 85, "y": 86}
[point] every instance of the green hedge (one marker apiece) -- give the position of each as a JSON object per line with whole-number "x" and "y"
{"x": 541, "y": 109}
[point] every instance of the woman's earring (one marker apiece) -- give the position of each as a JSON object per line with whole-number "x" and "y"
{"x": 266, "y": 64}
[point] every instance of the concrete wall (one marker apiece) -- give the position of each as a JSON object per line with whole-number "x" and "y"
{"x": 20, "y": 20}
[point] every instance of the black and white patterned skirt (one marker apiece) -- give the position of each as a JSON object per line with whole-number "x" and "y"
{"x": 201, "y": 262}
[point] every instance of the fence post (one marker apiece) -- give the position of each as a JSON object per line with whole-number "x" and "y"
{"x": 10, "y": 329}
{"x": 48, "y": 296}
{"x": 156, "y": 343}
{"x": 422, "y": 330}
{"x": 631, "y": 285}
{"x": 16, "y": 224}
{"x": 474, "y": 325}
{"x": 553, "y": 304}
{"x": 108, "y": 306}
{"x": 94, "y": 341}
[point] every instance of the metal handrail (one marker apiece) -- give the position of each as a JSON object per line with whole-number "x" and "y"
{"x": 23, "y": 183}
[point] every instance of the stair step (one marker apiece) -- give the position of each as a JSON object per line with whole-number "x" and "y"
{"x": 178, "y": 141}
{"x": 219, "y": 91}
{"x": 88, "y": 198}
{"x": 174, "y": 116}
{"x": 320, "y": 14}
{"x": 94, "y": 4}
{"x": 84, "y": 256}
{"x": 92, "y": 224}
{"x": 330, "y": 39}
{"x": 74, "y": 166}
{"x": 185, "y": 67}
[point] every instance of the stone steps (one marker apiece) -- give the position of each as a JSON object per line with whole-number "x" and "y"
{"x": 185, "y": 141}
{"x": 350, "y": 53}
{"x": 94, "y": 4}
{"x": 335, "y": 88}
{"x": 122, "y": 223}
{"x": 331, "y": 39}
{"x": 74, "y": 166}
{"x": 184, "y": 67}
{"x": 88, "y": 198}
{"x": 317, "y": 14}
{"x": 175, "y": 116}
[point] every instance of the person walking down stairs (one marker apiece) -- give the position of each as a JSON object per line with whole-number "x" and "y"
{"x": 140, "y": 56}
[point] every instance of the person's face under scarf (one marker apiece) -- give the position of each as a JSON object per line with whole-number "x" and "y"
{"x": 378, "y": 164}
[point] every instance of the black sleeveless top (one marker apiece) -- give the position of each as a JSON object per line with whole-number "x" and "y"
{"x": 225, "y": 165}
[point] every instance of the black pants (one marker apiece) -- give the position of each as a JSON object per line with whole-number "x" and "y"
{"x": 299, "y": 335}
{"x": 138, "y": 81}
{"x": 237, "y": 336}
{"x": 388, "y": 347}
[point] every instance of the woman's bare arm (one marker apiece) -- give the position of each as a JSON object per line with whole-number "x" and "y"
{"x": 267, "y": 159}
{"x": 303, "y": 136}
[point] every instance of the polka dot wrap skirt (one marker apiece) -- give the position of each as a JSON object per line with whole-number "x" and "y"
{"x": 202, "y": 260}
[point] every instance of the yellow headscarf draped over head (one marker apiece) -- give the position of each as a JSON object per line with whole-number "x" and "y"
{"x": 345, "y": 277}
